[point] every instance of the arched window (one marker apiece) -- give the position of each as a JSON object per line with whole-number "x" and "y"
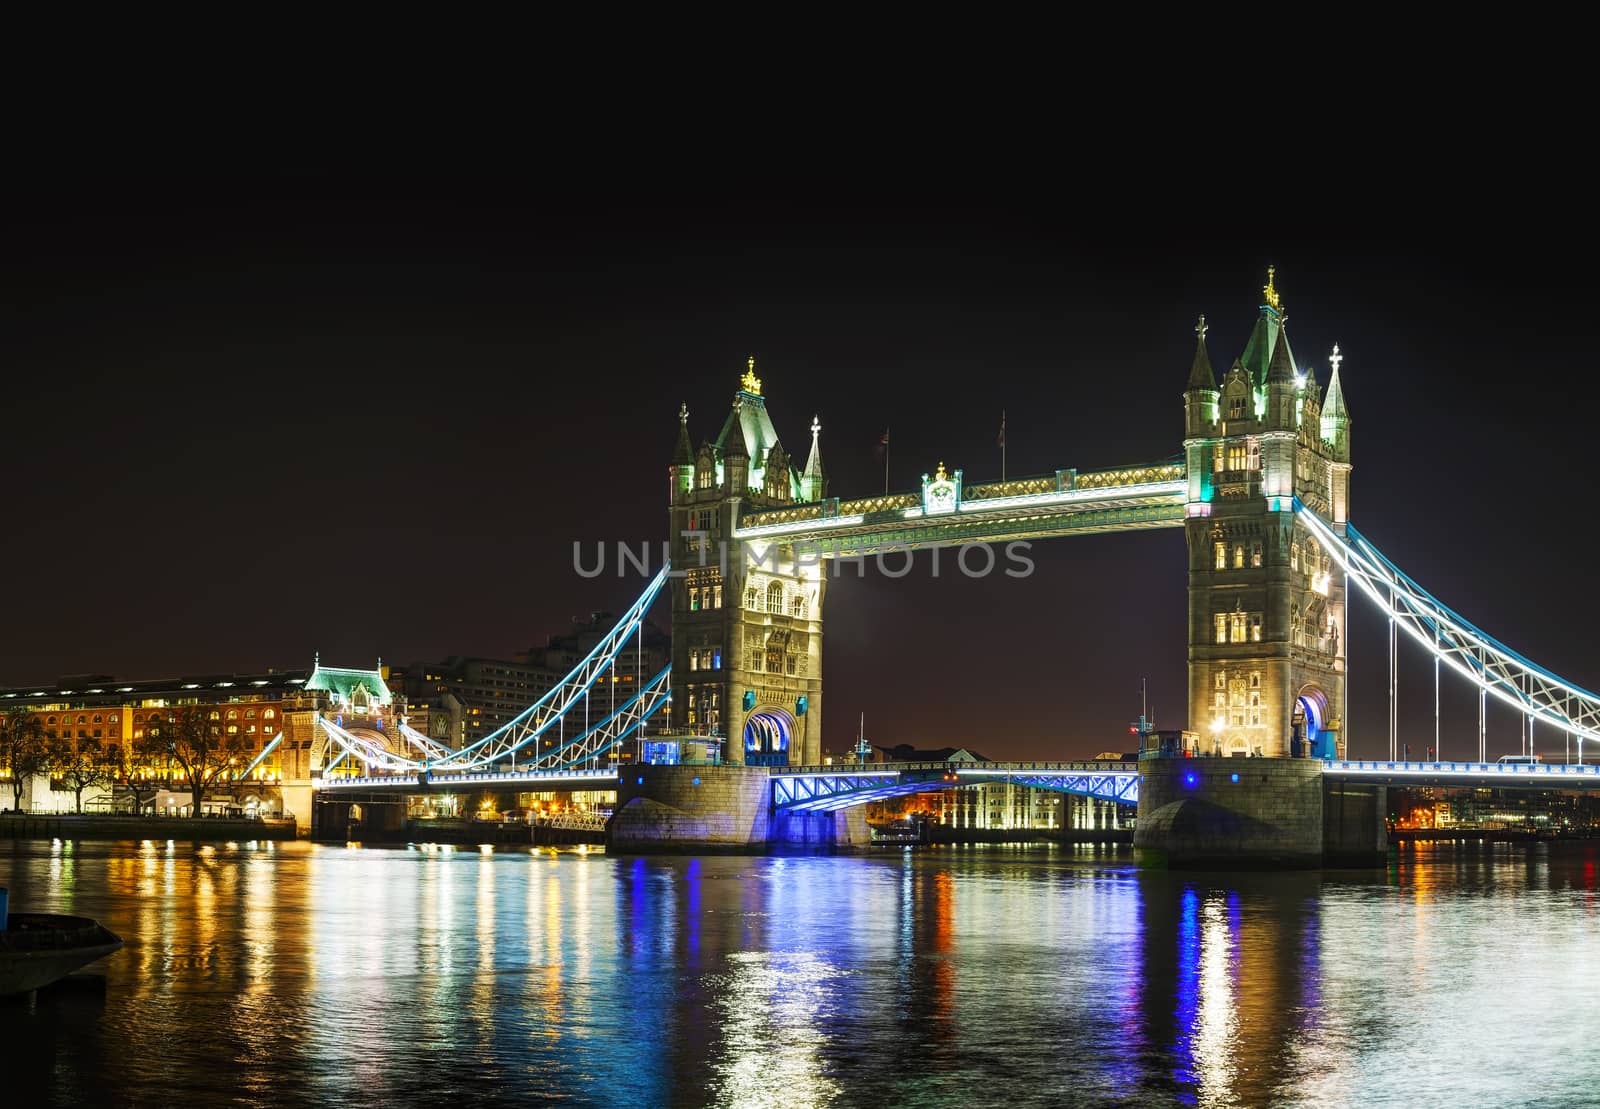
{"x": 215, "y": 715}
{"x": 797, "y": 605}
{"x": 775, "y": 598}
{"x": 750, "y": 597}
{"x": 97, "y": 718}
{"x": 1222, "y": 556}
{"x": 249, "y": 714}
{"x": 1238, "y": 556}
{"x": 233, "y": 714}
{"x": 112, "y": 718}
{"x": 269, "y": 714}
{"x": 82, "y": 720}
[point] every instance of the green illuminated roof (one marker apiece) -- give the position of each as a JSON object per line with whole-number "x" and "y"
{"x": 344, "y": 684}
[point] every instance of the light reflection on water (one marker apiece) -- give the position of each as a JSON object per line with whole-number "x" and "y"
{"x": 291, "y": 974}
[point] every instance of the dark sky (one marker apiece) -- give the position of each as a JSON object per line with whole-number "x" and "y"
{"x": 252, "y": 418}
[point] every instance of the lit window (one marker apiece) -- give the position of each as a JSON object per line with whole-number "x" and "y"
{"x": 1238, "y": 627}
{"x": 1222, "y": 556}
{"x": 694, "y": 600}
{"x": 716, "y": 596}
{"x": 775, "y": 598}
{"x": 269, "y": 714}
{"x": 1222, "y": 679}
{"x": 716, "y": 658}
{"x": 1222, "y": 627}
{"x": 1255, "y": 627}
{"x": 112, "y": 718}
{"x": 1255, "y": 553}
{"x": 249, "y": 714}
{"x": 1220, "y": 699}
{"x": 1238, "y": 556}
{"x": 1294, "y": 556}
{"x": 233, "y": 714}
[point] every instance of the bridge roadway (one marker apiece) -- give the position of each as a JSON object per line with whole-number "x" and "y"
{"x": 834, "y": 787}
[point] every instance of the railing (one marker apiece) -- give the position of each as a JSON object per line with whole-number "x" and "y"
{"x": 1091, "y": 766}
{"x": 1554, "y": 773}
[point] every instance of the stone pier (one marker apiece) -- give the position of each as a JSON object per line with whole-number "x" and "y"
{"x": 1250, "y": 812}
{"x": 718, "y": 808}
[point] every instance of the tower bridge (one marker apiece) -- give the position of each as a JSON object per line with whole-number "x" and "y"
{"x": 1261, "y": 490}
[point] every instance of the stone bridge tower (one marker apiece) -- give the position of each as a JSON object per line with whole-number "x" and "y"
{"x": 746, "y": 618}
{"x": 1266, "y": 603}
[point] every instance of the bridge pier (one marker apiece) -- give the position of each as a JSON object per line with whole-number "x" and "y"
{"x": 717, "y": 808}
{"x": 1204, "y": 813}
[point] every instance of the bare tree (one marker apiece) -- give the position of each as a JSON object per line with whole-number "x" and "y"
{"x": 193, "y": 737}
{"x": 128, "y": 771}
{"x": 22, "y": 750}
{"x": 81, "y": 765}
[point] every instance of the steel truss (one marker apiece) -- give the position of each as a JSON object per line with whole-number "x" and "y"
{"x": 1487, "y": 663}
{"x": 817, "y": 789}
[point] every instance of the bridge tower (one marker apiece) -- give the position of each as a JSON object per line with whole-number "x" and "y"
{"x": 746, "y": 618}
{"x": 1266, "y": 604}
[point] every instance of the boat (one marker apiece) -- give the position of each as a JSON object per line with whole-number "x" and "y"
{"x": 37, "y": 949}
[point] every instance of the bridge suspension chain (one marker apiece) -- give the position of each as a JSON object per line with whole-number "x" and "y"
{"x": 1492, "y": 666}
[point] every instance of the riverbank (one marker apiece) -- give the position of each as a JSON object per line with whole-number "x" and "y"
{"x": 99, "y": 826}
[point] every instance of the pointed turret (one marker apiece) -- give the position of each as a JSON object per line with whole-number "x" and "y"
{"x": 682, "y": 468}
{"x": 735, "y": 456}
{"x": 815, "y": 484}
{"x": 1281, "y": 368}
{"x": 683, "y": 453}
{"x": 1200, "y": 395}
{"x": 1201, "y": 376}
{"x": 1335, "y": 417}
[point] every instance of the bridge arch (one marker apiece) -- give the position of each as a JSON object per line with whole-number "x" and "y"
{"x": 768, "y": 734}
{"x": 1311, "y": 719}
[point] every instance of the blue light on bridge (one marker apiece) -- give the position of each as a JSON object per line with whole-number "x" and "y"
{"x": 641, "y": 779}
{"x": 1189, "y": 778}
{"x": 1233, "y": 777}
{"x": 697, "y": 781}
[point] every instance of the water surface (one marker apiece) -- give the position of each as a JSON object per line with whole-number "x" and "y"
{"x": 290, "y": 974}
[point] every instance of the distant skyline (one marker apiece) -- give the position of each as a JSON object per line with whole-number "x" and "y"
{"x": 256, "y": 421}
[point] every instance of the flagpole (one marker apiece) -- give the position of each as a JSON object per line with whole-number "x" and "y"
{"x": 885, "y": 462}
{"x": 1002, "y": 444}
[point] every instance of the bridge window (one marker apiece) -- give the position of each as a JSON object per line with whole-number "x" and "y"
{"x": 1222, "y": 556}
{"x": 1255, "y": 679}
{"x": 1237, "y": 627}
{"x": 1222, "y": 679}
{"x": 716, "y": 658}
{"x": 694, "y": 600}
{"x": 797, "y": 605}
{"x": 1294, "y": 556}
{"x": 1236, "y": 408}
{"x": 789, "y": 665}
{"x": 755, "y": 659}
{"x": 716, "y": 596}
{"x": 750, "y": 597}
{"x": 1255, "y": 553}
{"x": 1238, "y": 556}
{"x": 1222, "y": 627}
{"x": 775, "y": 598}
{"x": 1255, "y": 627}
{"x": 694, "y": 662}
{"x": 1220, "y": 699}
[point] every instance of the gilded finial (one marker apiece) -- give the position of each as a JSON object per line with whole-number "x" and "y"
{"x": 750, "y": 383}
{"x": 1335, "y": 358}
{"x": 1200, "y": 328}
{"x": 941, "y": 475}
{"x": 816, "y": 427}
{"x": 1271, "y": 293}
{"x": 683, "y": 414}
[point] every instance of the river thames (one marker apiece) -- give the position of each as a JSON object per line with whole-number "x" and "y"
{"x": 294, "y": 974}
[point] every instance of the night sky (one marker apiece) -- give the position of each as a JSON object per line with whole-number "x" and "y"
{"x": 250, "y": 419}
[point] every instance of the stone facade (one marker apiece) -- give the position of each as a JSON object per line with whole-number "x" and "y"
{"x": 718, "y": 808}
{"x": 1266, "y": 604}
{"x": 746, "y": 618}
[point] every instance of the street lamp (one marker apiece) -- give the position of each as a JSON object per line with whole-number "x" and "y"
{"x": 1216, "y": 734}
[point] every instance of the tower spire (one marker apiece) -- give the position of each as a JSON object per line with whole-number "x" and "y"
{"x": 750, "y": 383}
{"x": 683, "y": 454}
{"x": 815, "y": 480}
{"x": 1201, "y": 375}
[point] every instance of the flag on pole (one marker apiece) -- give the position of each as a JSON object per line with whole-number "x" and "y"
{"x": 1002, "y": 440}
{"x": 883, "y": 443}
{"x": 882, "y": 450}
